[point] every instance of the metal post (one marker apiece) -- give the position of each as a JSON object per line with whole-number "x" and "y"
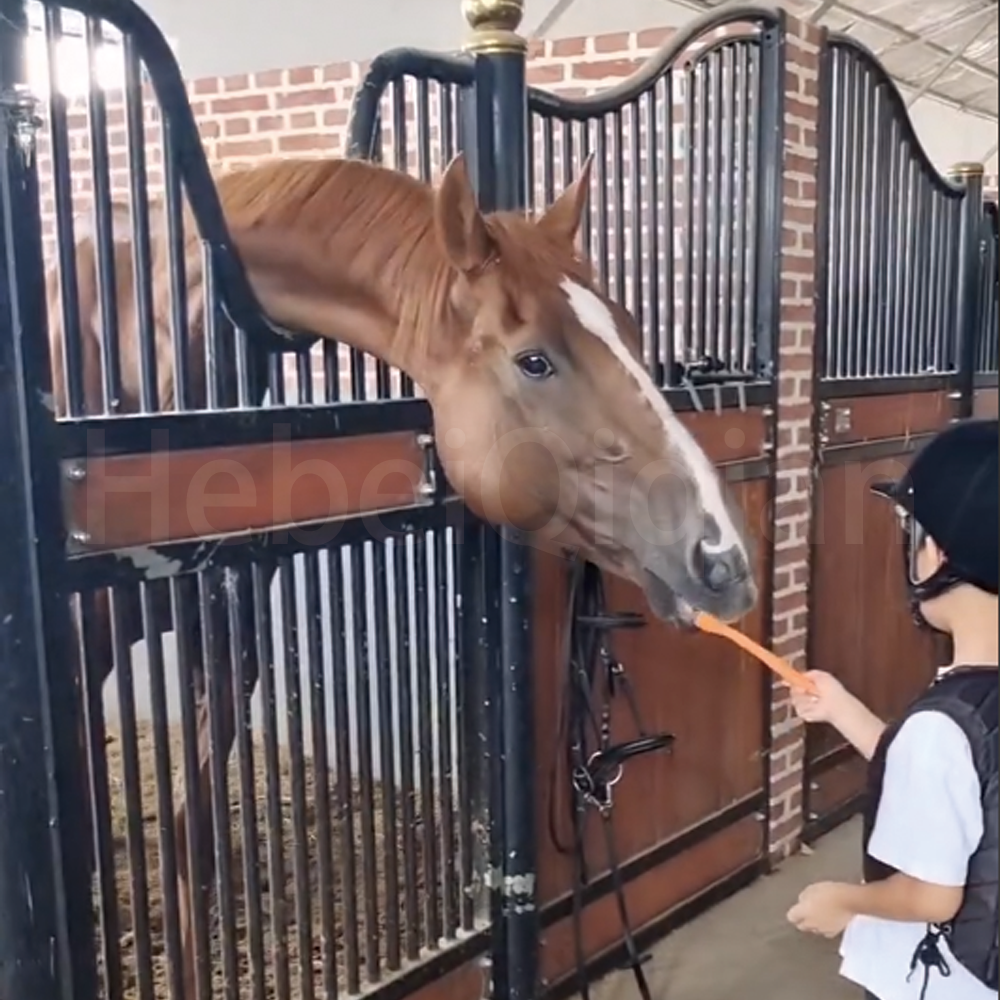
{"x": 971, "y": 250}
{"x": 46, "y": 944}
{"x": 770, "y": 161}
{"x": 500, "y": 166}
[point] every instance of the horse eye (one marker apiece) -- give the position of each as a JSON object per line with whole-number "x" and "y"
{"x": 534, "y": 364}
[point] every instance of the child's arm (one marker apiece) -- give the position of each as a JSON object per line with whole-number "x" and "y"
{"x": 828, "y": 907}
{"x": 905, "y": 899}
{"x": 835, "y": 705}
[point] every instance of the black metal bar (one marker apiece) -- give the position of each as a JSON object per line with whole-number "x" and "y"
{"x": 727, "y": 166}
{"x": 360, "y": 588}
{"x": 142, "y": 267}
{"x": 970, "y": 248}
{"x": 654, "y": 199}
{"x": 503, "y": 77}
{"x": 218, "y": 697}
{"x": 62, "y": 189}
{"x": 164, "y": 785}
{"x": 135, "y": 840}
{"x": 264, "y": 649}
{"x": 445, "y": 768}
{"x": 715, "y": 65}
{"x": 46, "y": 905}
{"x": 242, "y": 660}
{"x": 425, "y": 757}
{"x": 770, "y": 153}
{"x": 744, "y": 207}
{"x": 701, "y": 138}
{"x": 387, "y": 757}
{"x": 345, "y": 773}
{"x": 401, "y": 562}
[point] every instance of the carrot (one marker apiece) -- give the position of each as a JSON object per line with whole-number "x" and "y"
{"x": 791, "y": 676}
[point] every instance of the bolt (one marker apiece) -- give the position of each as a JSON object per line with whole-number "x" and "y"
{"x": 76, "y": 471}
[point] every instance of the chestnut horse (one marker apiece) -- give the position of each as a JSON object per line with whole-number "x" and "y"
{"x": 544, "y": 416}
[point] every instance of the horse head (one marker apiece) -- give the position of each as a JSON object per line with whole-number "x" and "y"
{"x": 547, "y": 419}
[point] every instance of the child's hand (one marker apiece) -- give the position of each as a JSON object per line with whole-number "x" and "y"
{"x": 826, "y": 704}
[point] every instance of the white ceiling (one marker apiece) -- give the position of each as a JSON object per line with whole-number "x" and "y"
{"x": 936, "y": 50}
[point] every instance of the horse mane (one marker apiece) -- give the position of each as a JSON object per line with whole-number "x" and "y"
{"x": 385, "y": 217}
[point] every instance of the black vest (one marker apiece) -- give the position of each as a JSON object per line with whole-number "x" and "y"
{"x": 968, "y": 695}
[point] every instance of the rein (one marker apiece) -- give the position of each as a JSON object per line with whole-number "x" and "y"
{"x": 594, "y": 763}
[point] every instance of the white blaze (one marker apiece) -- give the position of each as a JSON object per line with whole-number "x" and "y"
{"x": 596, "y": 317}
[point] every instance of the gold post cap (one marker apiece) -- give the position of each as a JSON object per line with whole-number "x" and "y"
{"x": 495, "y": 25}
{"x": 970, "y": 169}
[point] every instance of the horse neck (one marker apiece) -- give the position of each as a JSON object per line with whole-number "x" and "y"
{"x": 373, "y": 278}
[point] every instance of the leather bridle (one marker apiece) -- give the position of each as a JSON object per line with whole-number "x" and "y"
{"x": 593, "y": 762}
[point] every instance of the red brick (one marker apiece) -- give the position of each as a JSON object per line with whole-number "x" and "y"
{"x": 307, "y": 143}
{"x": 302, "y": 75}
{"x": 240, "y": 82}
{"x": 569, "y": 47}
{"x": 240, "y": 105}
{"x": 654, "y": 38}
{"x": 269, "y": 79}
{"x": 206, "y": 86}
{"x": 546, "y": 75}
{"x": 251, "y": 147}
{"x": 618, "y": 42}
{"x": 605, "y": 69}
{"x": 338, "y": 71}
{"x": 306, "y": 98}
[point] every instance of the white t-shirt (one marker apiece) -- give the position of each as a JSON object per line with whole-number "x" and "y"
{"x": 930, "y": 822}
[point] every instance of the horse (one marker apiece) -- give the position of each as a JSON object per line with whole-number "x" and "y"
{"x": 544, "y": 416}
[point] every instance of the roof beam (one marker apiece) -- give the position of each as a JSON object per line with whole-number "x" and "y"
{"x": 821, "y": 11}
{"x": 559, "y": 9}
{"x": 971, "y": 13}
{"x": 939, "y": 73}
{"x": 879, "y": 22}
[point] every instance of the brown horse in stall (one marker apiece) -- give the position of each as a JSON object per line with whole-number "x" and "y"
{"x": 544, "y": 416}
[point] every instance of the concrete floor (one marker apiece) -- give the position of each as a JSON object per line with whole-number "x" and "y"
{"x": 746, "y": 950}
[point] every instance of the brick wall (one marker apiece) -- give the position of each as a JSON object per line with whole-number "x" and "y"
{"x": 794, "y": 453}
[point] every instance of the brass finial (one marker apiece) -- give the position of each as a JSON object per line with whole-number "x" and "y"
{"x": 495, "y": 25}
{"x": 970, "y": 169}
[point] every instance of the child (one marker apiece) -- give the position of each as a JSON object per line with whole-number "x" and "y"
{"x": 924, "y": 923}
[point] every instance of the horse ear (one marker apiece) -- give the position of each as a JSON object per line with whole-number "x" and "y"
{"x": 460, "y": 225}
{"x": 563, "y": 218}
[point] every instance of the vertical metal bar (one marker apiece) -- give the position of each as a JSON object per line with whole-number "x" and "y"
{"x": 264, "y": 648}
{"x": 387, "y": 758}
{"x": 827, "y": 142}
{"x": 404, "y": 667}
{"x": 703, "y": 149}
{"x": 62, "y": 190}
{"x": 344, "y": 793}
{"x": 46, "y": 905}
{"x": 619, "y": 263}
{"x": 968, "y": 284}
{"x": 715, "y": 211}
{"x": 164, "y": 786}
{"x": 501, "y": 71}
{"x": 321, "y": 770}
{"x": 135, "y": 840}
{"x": 640, "y": 264}
{"x": 189, "y": 678}
{"x": 92, "y": 650}
{"x": 856, "y": 151}
{"x": 363, "y": 724}
{"x": 727, "y": 165}
{"x": 892, "y": 213}
{"x": 300, "y": 834}
{"x": 446, "y": 800}
{"x": 654, "y": 201}
{"x": 603, "y": 251}
{"x": 770, "y": 151}
{"x": 142, "y": 267}
{"x": 401, "y": 151}
{"x": 864, "y": 235}
{"x": 742, "y": 236}
{"x": 425, "y": 756}
{"x": 690, "y": 202}
{"x": 238, "y": 586}
{"x": 103, "y": 225}
{"x": 173, "y": 202}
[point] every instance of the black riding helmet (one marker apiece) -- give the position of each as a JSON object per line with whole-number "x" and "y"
{"x": 952, "y": 493}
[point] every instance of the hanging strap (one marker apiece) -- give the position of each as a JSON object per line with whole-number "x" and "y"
{"x": 594, "y": 762}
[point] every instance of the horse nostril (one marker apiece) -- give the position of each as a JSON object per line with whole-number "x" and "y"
{"x": 720, "y": 570}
